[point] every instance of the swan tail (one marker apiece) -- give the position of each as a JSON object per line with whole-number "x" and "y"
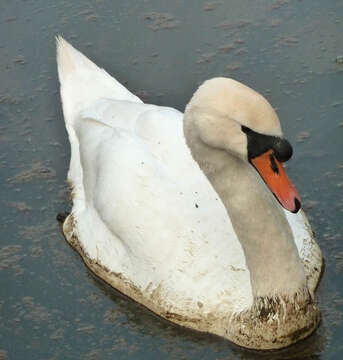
{"x": 83, "y": 82}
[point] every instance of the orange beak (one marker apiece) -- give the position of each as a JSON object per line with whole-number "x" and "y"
{"x": 276, "y": 179}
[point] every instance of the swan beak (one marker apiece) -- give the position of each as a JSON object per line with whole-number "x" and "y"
{"x": 273, "y": 174}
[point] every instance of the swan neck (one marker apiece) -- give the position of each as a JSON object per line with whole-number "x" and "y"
{"x": 260, "y": 224}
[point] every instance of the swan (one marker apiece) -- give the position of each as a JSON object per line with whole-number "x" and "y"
{"x": 191, "y": 215}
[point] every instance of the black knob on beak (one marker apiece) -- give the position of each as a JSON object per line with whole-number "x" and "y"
{"x": 282, "y": 149}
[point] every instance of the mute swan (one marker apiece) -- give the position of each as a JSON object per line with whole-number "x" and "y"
{"x": 183, "y": 213}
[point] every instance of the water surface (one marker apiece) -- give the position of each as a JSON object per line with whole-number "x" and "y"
{"x": 51, "y": 306}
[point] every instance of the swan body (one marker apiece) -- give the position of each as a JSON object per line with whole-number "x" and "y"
{"x": 153, "y": 222}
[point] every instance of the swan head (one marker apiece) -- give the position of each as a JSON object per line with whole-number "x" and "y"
{"x": 228, "y": 116}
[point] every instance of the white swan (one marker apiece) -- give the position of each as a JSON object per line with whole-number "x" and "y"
{"x": 149, "y": 222}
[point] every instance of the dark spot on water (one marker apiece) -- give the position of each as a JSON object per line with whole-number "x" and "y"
{"x": 279, "y": 3}
{"x": 38, "y": 171}
{"x": 20, "y": 206}
{"x": 60, "y": 217}
{"x": 57, "y": 334}
{"x": 86, "y": 328}
{"x": 288, "y": 41}
{"x": 3, "y": 354}
{"x": 241, "y": 51}
{"x": 142, "y": 94}
{"x": 231, "y": 68}
{"x": 211, "y": 5}
{"x": 11, "y": 19}
{"x": 206, "y": 58}
{"x": 275, "y": 22}
{"x": 160, "y": 21}
{"x": 91, "y": 17}
{"x": 10, "y": 257}
{"x": 225, "y": 49}
{"x": 112, "y": 315}
{"x": 302, "y": 136}
{"x": 310, "y": 204}
{"x": 19, "y": 59}
{"x": 339, "y": 60}
{"x": 228, "y": 25}
{"x": 36, "y": 251}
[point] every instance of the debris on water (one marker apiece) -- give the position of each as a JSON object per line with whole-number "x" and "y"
{"x": 111, "y": 316}
{"x": 339, "y": 261}
{"x": 206, "y": 58}
{"x": 289, "y": 41}
{"x": 88, "y": 15}
{"x": 228, "y": 25}
{"x": 309, "y": 204}
{"x": 229, "y": 69}
{"x": 19, "y": 59}
{"x": 53, "y": 143}
{"x": 60, "y": 217}
{"x": 160, "y": 21}
{"x": 95, "y": 354}
{"x": 20, "y": 205}
{"x": 86, "y": 329}
{"x": 37, "y": 233}
{"x": 239, "y": 41}
{"x": 275, "y": 22}
{"x": 302, "y": 136}
{"x": 339, "y": 59}
{"x": 279, "y": 3}
{"x": 93, "y": 298}
{"x": 85, "y": 12}
{"x": 8, "y": 99}
{"x": 336, "y": 103}
{"x": 10, "y": 19}
{"x": 211, "y": 5}
{"x": 37, "y": 171}
{"x": 10, "y": 258}
{"x": 332, "y": 310}
{"x": 226, "y": 48}
{"x": 63, "y": 193}
{"x": 142, "y": 94}
{"x": 34, "y": 311}
{"x": 36, "y": 251}
{"x": 91, "y": 17}
{"x": 3, "y": 354}
{"x": 241, "y": 51}
{"x": 57, "y": 334}
{"x": 134, "y": 61}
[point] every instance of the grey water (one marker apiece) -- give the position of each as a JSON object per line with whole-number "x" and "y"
{"x": 51, "y": 306}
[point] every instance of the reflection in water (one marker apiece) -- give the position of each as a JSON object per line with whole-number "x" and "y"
{"x": 51, "y": 307}
{"x": 148, "y": 323}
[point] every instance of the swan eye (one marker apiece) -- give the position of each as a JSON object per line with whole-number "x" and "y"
{"x": 260, "y": 143}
